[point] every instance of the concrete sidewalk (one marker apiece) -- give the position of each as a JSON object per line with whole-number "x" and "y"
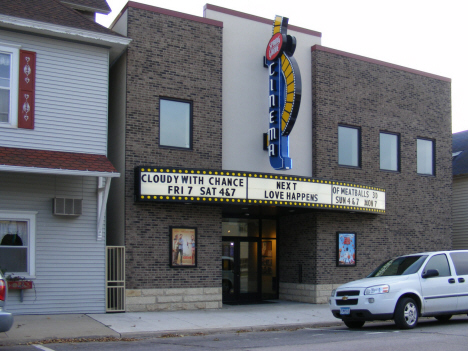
{"x": 274, "y": 315}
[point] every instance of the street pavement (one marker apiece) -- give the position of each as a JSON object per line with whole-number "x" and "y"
{"x": 231, "y": 318}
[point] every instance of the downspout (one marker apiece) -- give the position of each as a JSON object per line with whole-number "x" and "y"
{"x": 103, "y": 194}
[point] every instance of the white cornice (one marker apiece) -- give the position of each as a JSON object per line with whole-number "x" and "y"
{"x": 116, "y": 43}
{"x": 85, "y": 8}
{"x": 21, "y": 169}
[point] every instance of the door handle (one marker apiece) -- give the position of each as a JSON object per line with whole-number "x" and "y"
{"x": 461, "y": 280}
{"x": 451, "y": 281}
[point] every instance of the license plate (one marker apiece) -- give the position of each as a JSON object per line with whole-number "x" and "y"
{"x": 345, "y": 310}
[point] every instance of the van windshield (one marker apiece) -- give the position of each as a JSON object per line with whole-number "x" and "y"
{"x": 399, "y": 266}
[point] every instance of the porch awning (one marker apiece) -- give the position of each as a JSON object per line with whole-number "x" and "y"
{"x": 55, "y": 162}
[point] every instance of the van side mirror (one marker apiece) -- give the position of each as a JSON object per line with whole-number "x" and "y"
{"x": 430, "y": 273}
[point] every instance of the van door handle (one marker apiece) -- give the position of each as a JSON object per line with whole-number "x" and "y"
{"x": 461, "y": 280}
{"x": 451, "y": 280}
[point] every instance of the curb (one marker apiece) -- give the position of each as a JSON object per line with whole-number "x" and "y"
{"x": 111, "y": 337}
{"x": 211, "y": 331}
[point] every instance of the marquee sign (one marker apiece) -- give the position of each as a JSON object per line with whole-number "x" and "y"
{"x": 284, "y": 92}
{"x": 249, "y": 188}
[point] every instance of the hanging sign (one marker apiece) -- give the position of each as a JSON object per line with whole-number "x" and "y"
{"x": 284, "y": 93}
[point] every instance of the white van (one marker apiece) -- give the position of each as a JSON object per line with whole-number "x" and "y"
{"x": 430, "y": 284}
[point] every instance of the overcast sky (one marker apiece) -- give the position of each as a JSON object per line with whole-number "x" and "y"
{"x": 428, "y": 35}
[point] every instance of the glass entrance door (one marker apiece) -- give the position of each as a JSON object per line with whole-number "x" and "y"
{"x": 249, "y": 260}
{"x": 240, "y": 269}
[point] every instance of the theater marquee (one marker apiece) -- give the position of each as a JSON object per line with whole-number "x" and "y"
{"x": 249, "y": 188}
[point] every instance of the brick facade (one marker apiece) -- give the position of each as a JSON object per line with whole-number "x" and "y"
{"x": 176, "y": 58}
{"x": 375, "y": 98}
{"x": 180, "y": 58}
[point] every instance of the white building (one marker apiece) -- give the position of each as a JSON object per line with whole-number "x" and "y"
{"x": 54, "y": 171}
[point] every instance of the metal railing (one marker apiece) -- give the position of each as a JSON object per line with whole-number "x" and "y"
{"x": 115, "y": 279}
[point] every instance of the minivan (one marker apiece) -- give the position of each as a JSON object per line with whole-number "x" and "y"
{"x": 402, "y": 289}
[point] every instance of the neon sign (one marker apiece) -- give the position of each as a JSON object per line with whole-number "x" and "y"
{"x": 284, "y": 92}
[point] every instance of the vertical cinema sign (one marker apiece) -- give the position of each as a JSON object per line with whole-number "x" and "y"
{"x": 284, "y": 92}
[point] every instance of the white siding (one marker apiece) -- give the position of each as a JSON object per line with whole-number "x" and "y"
{"x": 71, "y": 97}
{"x": 460, "y": 213}
{"x": 70, "y": 262}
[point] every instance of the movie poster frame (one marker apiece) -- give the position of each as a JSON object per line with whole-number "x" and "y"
{"x": 340, "y": 236}
{"x": 184, "y": 231}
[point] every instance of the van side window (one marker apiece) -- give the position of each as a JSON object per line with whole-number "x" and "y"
{"x": 460, "y": 260}
{"x": 440, "y": 263}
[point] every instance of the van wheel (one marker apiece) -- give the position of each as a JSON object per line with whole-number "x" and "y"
{"x": 406, "y": 313}
{"x": 443, "y": 318}
{"x": 354, "y": 324}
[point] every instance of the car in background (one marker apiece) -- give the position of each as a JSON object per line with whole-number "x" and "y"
{"x": 6, "y": 318}
{"x": 430, "y": 284}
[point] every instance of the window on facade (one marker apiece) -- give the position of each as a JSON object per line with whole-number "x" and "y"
{"x": 17, "y": 241}
{"x": 425, "y": 156}
{"x": 5, "y": 81}
{"x": 175, "y": 122}
{"x": 389, "y": 152}
{"x": 349, "y": 146}
{"x": 8, "y": 85}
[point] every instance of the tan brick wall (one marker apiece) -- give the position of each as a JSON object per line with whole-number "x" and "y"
{"x": 310, "y": 293}
{"x": 143, "y": 300}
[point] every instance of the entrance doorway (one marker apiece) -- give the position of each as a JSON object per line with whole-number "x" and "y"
{"x": 249, "y": 261}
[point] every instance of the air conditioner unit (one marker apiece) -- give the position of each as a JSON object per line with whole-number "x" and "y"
{"x": 67, "y": 207}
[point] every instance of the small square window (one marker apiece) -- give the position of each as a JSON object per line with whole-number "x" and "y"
{"x": 389, "y": 152}
{"x": 175, "y": 123}
{"x": 425, "y": 157}
{"x": 349, "y": 150}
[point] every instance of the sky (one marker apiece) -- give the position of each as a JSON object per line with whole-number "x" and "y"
{"x": 428, "y": 35}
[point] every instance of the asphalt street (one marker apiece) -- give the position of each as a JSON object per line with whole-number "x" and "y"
{"x": 430, "y": 335}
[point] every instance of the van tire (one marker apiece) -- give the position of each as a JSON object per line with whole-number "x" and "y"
{"x": 443, "y": 318}
{"x": 406, "y": 313}
{"x": 354, "y": 324}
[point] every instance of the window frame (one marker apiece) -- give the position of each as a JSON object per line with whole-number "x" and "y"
{"x": 433, "y": 173}
{"x": 398, "y": 152}
{"x": 14, "y": 52}
{"x": 359, "y": 149}
{"x": 190, "y": 124}
{"x": 436, "y": 256}
{"x": 460, "y": 262}
{"x": 30, "y": 217}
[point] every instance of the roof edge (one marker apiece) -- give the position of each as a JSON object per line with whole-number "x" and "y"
{"x": 74, "y": 5}
{"x": 257, "y": 19}
{"x": 61, "y": 31}
{"x": 57, "y": 171}
{"x": 172, "y": 13}
{"x": 378, "y": 62}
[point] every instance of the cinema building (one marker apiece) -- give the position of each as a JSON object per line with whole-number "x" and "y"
{"x": 258, "y": 164}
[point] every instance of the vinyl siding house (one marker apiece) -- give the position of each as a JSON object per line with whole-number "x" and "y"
{"x": 54, "y": 171}
{"x": 460, "y": 189}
